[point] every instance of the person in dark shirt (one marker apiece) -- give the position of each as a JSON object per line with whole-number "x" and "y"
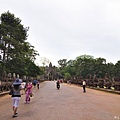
{"x": 58, "y": 84}
{"x": 16, "y": 88}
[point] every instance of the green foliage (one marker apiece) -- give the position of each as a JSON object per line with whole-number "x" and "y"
{"x": 67, "y": 76}
{"x": 117, "y": 69}
{"x": 62, "y": 62}
{"x": 86, "y": 66}
{"x": 17, "y": 55}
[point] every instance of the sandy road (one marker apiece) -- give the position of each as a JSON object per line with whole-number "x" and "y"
{"x": 68, "y": 103}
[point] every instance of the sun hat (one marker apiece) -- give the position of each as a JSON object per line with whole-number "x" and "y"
{"x": 17, "y": 82}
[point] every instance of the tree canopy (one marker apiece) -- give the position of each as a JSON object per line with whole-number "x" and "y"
{"x": 16, "y": 54}
{"x": 86, "y": 66}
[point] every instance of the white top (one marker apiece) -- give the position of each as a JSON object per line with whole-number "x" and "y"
{"x": 23, "y": 84}
{"x": 84, "y": 83}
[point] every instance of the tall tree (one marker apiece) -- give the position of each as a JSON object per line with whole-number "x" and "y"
{"x": 12, "y": 37}
{"x": 14, "y": 50}
{"x": 84, "y": 65}
{"x": 117, "y": 69}
{"x": 62, "y": 62}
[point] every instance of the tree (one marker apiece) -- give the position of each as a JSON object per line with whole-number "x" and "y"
{"x": 67, "y": 76}
{"x": 100, "y": 67}
{"x": 62, "y": 62}
{"x": 84, "y": 65}
{"x": 13, "y": 36}
{"x": 44, "y": 61}
{"x": 69, "y": 68}
{"x": 110, "y": 68}
{"x": 14, "y": 50}
{"x": 117, "y": 69}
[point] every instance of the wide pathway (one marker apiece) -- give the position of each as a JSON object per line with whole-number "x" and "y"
{"x": 68, "y": 103}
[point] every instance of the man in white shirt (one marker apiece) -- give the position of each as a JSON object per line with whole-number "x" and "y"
{"x": 84, "y": 85}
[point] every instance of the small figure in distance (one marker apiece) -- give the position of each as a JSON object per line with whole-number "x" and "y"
{"x": 58, "y": 84}
{"x": 84, "y": 86}
{"x": 38, "y": 84}
{"x": 34, "y": 83}
{"x": 61, "y": 81}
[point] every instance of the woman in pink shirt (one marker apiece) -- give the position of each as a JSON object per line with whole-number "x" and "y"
{"x": 28, "y": 92}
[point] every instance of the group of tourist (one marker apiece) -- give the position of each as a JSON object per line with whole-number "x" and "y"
{"x": 19, "y": 88}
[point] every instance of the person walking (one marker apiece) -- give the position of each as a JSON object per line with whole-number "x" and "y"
{"x": 38, "y": 84}
{"x": 16, "y": 88}
{"x": 28, "y": 92}
{"x": 34, "y": 83}
{"x": 84, "y": 86}
{"x": 23, "y": 84}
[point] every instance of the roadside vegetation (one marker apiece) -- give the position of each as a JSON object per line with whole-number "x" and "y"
{"x": 18, "y": 56}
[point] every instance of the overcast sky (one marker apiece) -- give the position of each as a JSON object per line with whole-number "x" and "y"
{"x": 66, "y": 29}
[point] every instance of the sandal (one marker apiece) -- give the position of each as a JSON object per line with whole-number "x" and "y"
{"x": 14, "y": 116}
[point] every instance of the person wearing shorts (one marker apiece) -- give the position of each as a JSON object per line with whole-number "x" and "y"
{"x": 16, "y": 96}
{"x": 15, "y": 101}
